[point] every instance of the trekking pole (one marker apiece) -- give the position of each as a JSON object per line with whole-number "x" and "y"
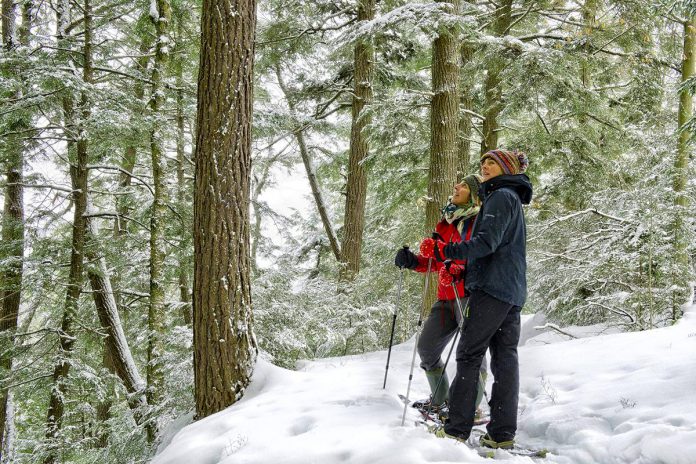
{"x": 396, "y": 310}
{"x": 418, "y": 330}
{"x": 454, "y": 342}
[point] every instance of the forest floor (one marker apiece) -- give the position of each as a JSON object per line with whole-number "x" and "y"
{"x": 611, "y": 398}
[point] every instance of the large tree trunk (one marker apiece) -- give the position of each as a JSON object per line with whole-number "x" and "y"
{"x": 311, "y": 173}
{"x": 444, "y": 123}
{"x": 224, "y": 344}
{"x": 156, "y": 310}
{"x": 356, "y": 192}
{"x": 78, "y": 175}
{"x": 493, "y": 86}
{"x": 681, "y": 172}
{"x": 467, "y": 79}
{"x": 466, "y": 125}
{"x": 12, "y": 243}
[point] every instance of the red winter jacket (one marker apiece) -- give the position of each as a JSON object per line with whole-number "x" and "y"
{"x": 449, "y": 233}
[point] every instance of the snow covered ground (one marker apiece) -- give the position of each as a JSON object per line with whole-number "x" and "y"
{"x": 614, "y": 398}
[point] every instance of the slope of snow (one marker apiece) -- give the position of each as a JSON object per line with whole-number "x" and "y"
{"x": 616, "y": 398}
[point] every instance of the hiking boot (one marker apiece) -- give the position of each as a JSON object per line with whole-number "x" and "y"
{"x": 489, "y": 442}
{"x": 439, "y": 385}
{"x": 442, "y": 434}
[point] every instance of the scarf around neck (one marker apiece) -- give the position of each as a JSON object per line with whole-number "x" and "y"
{"x": 452, "y": 213}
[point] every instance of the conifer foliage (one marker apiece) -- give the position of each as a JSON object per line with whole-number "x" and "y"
{"x": 153, "y": 240}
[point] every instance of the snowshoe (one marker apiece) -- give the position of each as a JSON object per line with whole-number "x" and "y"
{"x": 488, "y": 442}
{"x": 435, "y": 414}
{"x": 478, "y": 444}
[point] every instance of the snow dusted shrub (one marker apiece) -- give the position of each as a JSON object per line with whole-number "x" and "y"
{"x": 611, "y": 262}
{"x": 310, "y": 314}
{"x": 309, "y": 318}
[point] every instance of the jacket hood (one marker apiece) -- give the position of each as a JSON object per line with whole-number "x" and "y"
{"x": 519, "y": 183}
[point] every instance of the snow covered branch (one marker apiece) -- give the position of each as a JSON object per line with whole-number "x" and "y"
{"x": 554, "y": 327}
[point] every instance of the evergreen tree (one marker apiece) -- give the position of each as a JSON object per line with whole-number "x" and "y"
{"x": 356, "y": 183}
{"x": 12, "y": 251}
{"x": 224, "y": 345}
{"x": 156, "y": 316}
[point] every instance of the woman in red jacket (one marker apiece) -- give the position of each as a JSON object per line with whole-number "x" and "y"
{"x": 438, "y": 329}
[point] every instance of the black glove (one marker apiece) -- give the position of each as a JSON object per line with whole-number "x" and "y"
{"x": 406, "y": 258}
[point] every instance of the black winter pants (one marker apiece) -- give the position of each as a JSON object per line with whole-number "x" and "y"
{"x": 491, "y": 324}
{"x": 438, "y": 330}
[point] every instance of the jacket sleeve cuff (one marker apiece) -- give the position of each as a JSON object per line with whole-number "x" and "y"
{"x": 422, "y": 264}
{"x": 454, "y": 251}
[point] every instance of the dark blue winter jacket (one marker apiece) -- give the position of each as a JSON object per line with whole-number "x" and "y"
{"x": 497, "y": 254}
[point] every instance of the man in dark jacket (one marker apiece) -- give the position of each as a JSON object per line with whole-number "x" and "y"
{"x": 497, "y": 286}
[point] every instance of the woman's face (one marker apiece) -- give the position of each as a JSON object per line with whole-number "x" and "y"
{"x": 462, "y": 194}
{"x": 490, "y": 169}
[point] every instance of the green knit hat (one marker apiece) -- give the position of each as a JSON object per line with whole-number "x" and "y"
{"x": 473, "y": 181}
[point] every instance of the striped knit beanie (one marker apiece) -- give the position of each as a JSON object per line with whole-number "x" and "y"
{"x": 511, "y": 161}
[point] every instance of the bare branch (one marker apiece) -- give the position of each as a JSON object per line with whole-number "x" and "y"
{"x": 554, "y": 327}
{"x": 39, "y": 186}
{"x": 124, "y": 171}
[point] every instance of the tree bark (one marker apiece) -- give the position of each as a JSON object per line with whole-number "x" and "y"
{"x": 467, "y": 51}
{"x": 12, "y": 243}
{"x": 27, "y": 19}
{"x": 224, "y": 343}
{"x": 78, "y": 175}
{"x": 681, "y": 173}
{"x": 493, "y": 86}
{"x": 356, "y": 192}
{"x": 8, "y": 451}
{"x": 444, "y": 123}
{"x": 311, "y": 173}
{"x": 9, "y": 25}
{"x": 466, "y": 125}
{"x": 156, "y": 310}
